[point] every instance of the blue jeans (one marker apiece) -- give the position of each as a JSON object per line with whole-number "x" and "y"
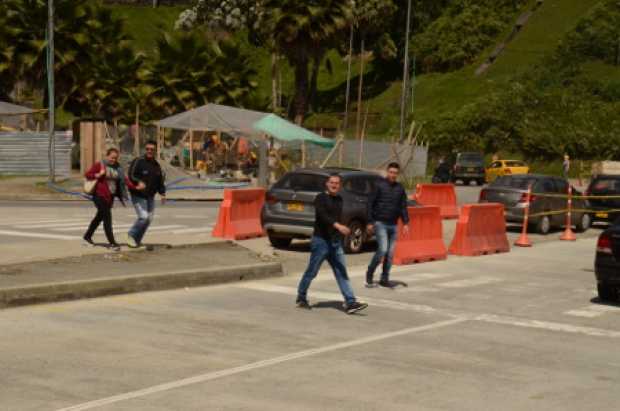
{"x": 386, "y": 242}
{"x": 331, "y": 251}
{"x": 145, "y": 208}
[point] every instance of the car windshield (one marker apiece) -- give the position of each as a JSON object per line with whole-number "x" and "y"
{"x": 521, "y": 183}
{"x": 606, "y": 184}
{"x": 302, "y": 182}
{"x": 470, "y": 157}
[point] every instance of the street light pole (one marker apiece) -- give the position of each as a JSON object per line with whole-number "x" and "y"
{"x": 403, "y": 97}
{"x": 50, "y": 91}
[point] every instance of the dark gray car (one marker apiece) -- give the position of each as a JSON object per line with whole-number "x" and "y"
{"x": 288, "y": 212}
{"x": 511, "y": 191}
{"x": 469, "y": 167}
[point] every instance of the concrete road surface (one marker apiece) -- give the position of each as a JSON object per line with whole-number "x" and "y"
{"x": 517, "y": 331}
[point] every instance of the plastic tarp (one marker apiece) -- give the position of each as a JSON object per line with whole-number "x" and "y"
{"x": 215, "y": 117}
{"x": 285, "y": 130}
{"x": 8, "y": 109}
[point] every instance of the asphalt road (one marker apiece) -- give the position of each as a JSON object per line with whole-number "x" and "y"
{"x": 517, "y": 331}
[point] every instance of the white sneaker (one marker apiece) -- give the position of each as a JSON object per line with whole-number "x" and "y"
{"x": 131, "y": 242}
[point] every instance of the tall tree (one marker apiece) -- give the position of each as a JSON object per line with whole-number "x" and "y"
{"x": 302, "y": 32}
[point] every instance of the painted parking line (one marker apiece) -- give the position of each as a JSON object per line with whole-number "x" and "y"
{"x": 469, "y": 282}
{"x": 39, "y": 235}
{"x": 592, "y": 311}
{"x": 210, "y": 376}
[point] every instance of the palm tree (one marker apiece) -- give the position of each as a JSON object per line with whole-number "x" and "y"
{"x": 303, "y": 31}
{"x": 190, "y": 70}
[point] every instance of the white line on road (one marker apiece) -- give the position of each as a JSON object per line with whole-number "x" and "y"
{"x": 38, "y": 235}
{"x": 84, "y": 226}
{"x": 377, "y": 302}
{"x": 592, "y": 311}
{"x": 73, "y": 223}
{"x": 206, "y": 229}
{"x": 547, "y": 325}
{"x": 470, "y": 282}
{"x": 197, "y": 379}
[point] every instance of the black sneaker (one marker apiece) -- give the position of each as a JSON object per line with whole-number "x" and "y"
{"x": 386, "y": 284}
{"x": 114, "y": 247}
{"x": 88, "y": 241}
{"x": 303, "y": 303}
{"x": 354, "y": 307}
{"x": 370, "y": 284}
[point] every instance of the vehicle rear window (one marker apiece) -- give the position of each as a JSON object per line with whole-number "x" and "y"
{"x": 606, "y": 184}
{"x": 302, "y": 182}
{"x": 515, "y": 164}
{"x": 512, "y": 182}
{"x": 470, "y": 157}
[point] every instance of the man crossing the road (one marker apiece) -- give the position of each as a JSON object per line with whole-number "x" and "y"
{"x": 147, "y": 176}
{"x": 327, "y": 245}
{"x": 386, "y": 205}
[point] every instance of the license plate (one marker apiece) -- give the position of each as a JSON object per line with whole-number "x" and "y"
{"x": 471, "y": 170}
{"x": 295, "y": 207}
{"x": 602, "y": 215}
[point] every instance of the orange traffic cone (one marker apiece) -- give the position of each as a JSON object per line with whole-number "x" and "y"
{"x": 523, "y": 240}
{"x": 568, "y": 234}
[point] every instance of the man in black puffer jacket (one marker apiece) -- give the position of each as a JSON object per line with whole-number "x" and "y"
{"x": 386, "y": 205}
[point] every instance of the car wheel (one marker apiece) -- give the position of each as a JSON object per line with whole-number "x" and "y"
{"x": 584, "y": 223}
{"x": 544, "y": 225}
{"x": 606, "y": 292}
{"x": 280, "y": 242}
{"x": 354, "y": 242}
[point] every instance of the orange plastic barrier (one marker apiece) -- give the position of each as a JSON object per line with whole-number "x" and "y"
{"x": 442, "y": 195}
{"x": 239, "y": 216}
{"x": 481, "y": 229}
{"x": 424, "y": 242}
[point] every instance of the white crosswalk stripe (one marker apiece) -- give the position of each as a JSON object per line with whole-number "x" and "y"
{"x": 38, "y": 235}
{"x": 51, "y": 225}
{"x": 592, "y": 311}
{"x": 197, "y": 230}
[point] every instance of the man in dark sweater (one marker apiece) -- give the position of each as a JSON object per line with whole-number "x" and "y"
{"x": 386, "y": 205}
{"x": 148, "y": 178}
{"x": 327, "y": 245}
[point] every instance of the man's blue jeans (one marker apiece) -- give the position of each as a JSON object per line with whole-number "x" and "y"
{"x": 145, "y": 208}
{"x": 386, "y": 242}
{"x": 331, "y": 251}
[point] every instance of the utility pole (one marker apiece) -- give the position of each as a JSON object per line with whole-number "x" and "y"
{"x": 346, "y": 101}
{"x": 405, "y": 75}
{"x": 50, "y": 90}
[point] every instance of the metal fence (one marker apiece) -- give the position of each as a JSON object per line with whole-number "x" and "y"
{"x": 26, "y": 153}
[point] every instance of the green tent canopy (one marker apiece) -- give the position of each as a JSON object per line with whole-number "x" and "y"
{"x": 285, "y": 130}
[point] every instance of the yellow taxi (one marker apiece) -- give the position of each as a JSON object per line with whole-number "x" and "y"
{"x": 505, "y": 167}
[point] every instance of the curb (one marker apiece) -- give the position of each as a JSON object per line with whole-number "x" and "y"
{"x": 100, "y": 287}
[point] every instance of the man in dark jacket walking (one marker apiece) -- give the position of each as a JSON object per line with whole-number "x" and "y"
{"x": 147, "y": 176}
{"x": 327, "y": 245}
{"x": 386, "y": 205}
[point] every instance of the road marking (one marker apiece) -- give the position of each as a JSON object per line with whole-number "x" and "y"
{"x": 470, "y": 282}
{"x": 206, "y": 229}
{"x": 210, "y": 376}
{"x": 38, "y": 235}
{"x": 592, "y": 311}
{"x": 164, "y": 227}
{"x": 73, "y": 223}
{"x": 376, "y": 302}
{"x": 84, "y": 226}
{"x": 40, "y": 221}
{"x": 547, "y": 325}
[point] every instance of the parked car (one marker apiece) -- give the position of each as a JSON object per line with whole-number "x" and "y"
{"x": 607, "y": 264}
{"x": 501, "y": 168}
{"x": 288, "y": 212}
{"x": 511, "y": 191}
{"x": 605, "y": 185}
{"x": 469, "y": 167}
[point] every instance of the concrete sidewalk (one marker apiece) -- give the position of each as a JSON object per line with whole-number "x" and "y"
{"x": 129, "y": 271}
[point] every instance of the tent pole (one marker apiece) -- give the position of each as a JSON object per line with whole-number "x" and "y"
{"x": 191, "y": 149}
{"x": 303, "y": 153}
{"x": 263, "y": 162}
